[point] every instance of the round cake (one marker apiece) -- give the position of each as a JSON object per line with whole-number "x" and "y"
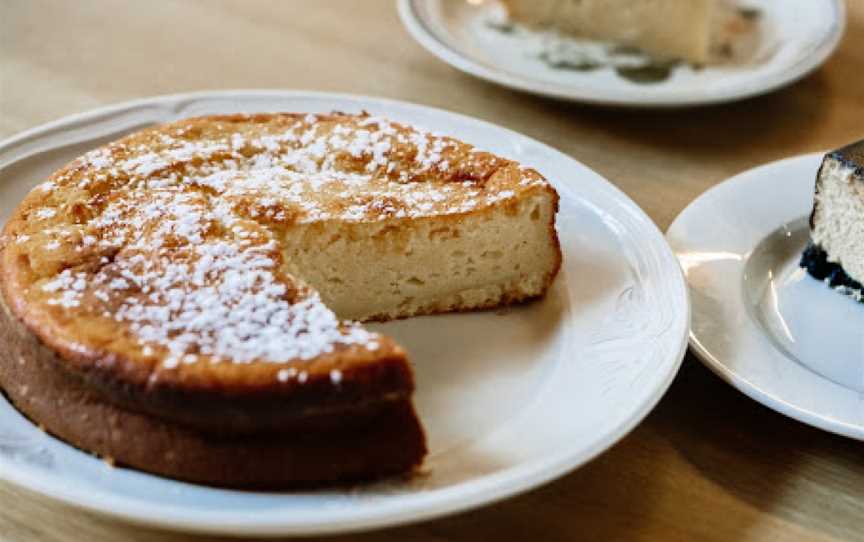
{"x": 185, "y": 300}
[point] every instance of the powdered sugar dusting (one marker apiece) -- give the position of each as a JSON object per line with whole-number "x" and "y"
{"x": 197, "y": 295}
{"x": 46, "y": 212}
{"x": 68, "y": 286}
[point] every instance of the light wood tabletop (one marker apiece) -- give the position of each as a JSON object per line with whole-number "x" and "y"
{"x": 707, "y": 464}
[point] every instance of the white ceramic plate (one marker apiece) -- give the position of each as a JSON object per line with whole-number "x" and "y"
{"x": 796, "y": 37}
{"x": 759, "y": 320}
{"x": 509, "y": 400}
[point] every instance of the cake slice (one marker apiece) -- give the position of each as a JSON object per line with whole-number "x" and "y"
{"x": 184, "y": 300}
{"x": 835, "y": 253}
{"x": 688, "y": 30}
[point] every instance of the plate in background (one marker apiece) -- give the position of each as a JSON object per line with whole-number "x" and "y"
{"x": 759, "y": 320}
{"x": 797, "y": 36}
{"x": 510, "y": 400}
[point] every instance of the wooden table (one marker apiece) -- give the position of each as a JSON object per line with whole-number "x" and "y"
{"x": 708, "y": 464}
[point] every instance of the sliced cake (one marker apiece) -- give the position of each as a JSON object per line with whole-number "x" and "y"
{"x": 690, "y": 30}
{"x": 836, "y": 250}
{"x": 184, "y": 300}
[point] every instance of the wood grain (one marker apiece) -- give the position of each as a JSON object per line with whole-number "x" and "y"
{"x": 708, "y": 464}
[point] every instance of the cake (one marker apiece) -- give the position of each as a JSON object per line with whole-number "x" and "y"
{"x": 187, "y": 300}
{"x": 691, "y": 30}
{"x": 835, "y": 253}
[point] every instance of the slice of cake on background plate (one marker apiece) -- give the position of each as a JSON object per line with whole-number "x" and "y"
{"x": 836, "y": 250}
{"x": 697, "y": 31}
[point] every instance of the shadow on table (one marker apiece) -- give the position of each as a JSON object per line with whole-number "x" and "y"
{"x": 782, "y": 119}
{"x": 773, "y": 463}
{"x": 766, "y": 127}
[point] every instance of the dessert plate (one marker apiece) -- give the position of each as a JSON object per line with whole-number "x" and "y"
{"x": 794, "y": 37}
{"x": 760, "y": 321}
{"x": 510, "y": 399}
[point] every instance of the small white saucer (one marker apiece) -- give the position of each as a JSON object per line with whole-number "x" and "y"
{"x": 759, "y": 320}
{"x": 795, "y": 37}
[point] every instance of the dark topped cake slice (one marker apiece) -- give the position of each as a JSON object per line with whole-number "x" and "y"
{"x": 835, "y": 253}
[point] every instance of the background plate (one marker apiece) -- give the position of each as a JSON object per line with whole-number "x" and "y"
{"x": 759, "y": 321}
{"x": 510, "y": 399}
{"x": 797, "y": 37}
